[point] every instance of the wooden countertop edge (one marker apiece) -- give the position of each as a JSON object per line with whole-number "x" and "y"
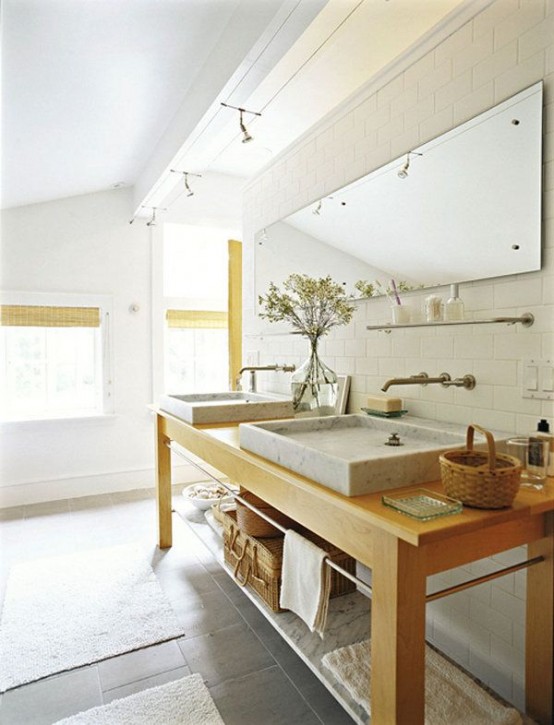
{"x": 368, "y": 508}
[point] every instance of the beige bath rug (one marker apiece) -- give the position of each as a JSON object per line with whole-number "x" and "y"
{"x": 183, "y": 702}
{"x": 450, "y": 695}
{"x": 69, "y": 611}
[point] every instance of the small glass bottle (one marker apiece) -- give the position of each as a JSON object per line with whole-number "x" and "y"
{"x": 433, "y": 311}
{"x": 454, "y": 308}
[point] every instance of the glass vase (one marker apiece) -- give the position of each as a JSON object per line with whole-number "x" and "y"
{"x": 314, "y": 386}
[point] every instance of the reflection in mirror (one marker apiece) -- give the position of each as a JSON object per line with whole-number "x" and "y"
{"x": 462, "y": 207}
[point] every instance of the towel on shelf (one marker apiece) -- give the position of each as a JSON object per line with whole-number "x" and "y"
{"x": 305, "y": 581}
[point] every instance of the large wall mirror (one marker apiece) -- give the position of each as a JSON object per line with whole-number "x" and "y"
{"x": 465, "y": 206}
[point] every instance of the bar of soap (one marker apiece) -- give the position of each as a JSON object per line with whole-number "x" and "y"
{"x": 384, "y": 404}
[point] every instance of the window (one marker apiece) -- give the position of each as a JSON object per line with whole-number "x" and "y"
{"x": 53, "y": 358}
{"x": 194, "y": 301}
{"x": 196, "y": 351}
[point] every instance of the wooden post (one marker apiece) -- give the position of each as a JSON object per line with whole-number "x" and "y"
{"x": 235, "y": 310}
{"x": 397, "y": 632}
{"x": 539, "y": 641}
{"x": 163, "y": 485}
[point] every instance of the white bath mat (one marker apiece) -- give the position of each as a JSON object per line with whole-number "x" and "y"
{"x": 183, "y": 702}
{"x": 64, "y": 612}
{"x": 450, "y": 695}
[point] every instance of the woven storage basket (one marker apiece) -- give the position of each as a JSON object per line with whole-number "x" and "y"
{"x": 250, "y": 523}
{"x": 256, "y": 562}
{"x": 485, "y": 480}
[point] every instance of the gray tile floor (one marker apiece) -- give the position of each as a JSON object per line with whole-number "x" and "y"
{"x": 253, "y": 676}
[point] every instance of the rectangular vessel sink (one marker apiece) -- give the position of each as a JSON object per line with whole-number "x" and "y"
{"x": 230, "y": 407}
{"x": 348, "y": 453}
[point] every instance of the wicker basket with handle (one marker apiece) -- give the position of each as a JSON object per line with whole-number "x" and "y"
{"x": 256, "y": 562}
{"x": 482, "y": 479}
{"x": 250, "y": 523}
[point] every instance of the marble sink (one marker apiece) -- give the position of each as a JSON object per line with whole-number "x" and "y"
{"x": 348, "y": 453}
{"x": 230, "y": 407}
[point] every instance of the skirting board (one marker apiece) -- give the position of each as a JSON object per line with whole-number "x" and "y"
{"x": 76, "y": 487}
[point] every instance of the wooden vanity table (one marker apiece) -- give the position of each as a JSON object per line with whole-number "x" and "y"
{"x": 401, "y": 552}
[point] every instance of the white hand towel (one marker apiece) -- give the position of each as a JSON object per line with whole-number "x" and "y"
{"x": 305, "y": 581}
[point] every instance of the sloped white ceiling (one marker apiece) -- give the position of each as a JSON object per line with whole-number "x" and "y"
{"x": 90, "y": 87}
{"x": 104, "y": 92}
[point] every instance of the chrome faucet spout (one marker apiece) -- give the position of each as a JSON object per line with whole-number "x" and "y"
{"x": 254, "y": 368}
{"x": 444, "y": 379}
{"x": 420, "y": 379}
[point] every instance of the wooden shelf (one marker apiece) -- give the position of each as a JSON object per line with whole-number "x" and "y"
{"x": 348, "y": 618}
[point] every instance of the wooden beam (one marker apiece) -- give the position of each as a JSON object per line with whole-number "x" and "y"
{"x": 235, "y": 310}
{"x": 163, "y": 486}
{"x": 397, "y": 632}
{"x": 539, "y": 642}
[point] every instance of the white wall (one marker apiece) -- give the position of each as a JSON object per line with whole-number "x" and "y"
{"x": 84, "y": 244}
{"x": 504, "y": 49}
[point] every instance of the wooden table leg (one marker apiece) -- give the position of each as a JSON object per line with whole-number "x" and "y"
{"x": 163, "y": 486}
{"x": 397, "y": 632}
{"x": 539, "y": 642}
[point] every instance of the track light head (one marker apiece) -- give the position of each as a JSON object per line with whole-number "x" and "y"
{"x": 152, "y": 222}
{"x": 190, "y": 192}
{"x": 403, "y": 173}
{"x": 246, "y": 137}
{"x": 185, "y": 175}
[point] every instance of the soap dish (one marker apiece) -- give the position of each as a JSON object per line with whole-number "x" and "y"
{"x": 423, "y": 504}
{"x": 385, "y": 414}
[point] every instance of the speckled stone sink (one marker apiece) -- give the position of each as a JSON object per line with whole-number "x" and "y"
{"x": 230, "y": 407}
{"x": 349, "y": 453}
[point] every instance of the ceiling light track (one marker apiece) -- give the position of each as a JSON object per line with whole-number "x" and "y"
{"x": 246, "y": 135}
{"x": 293, "y": 76}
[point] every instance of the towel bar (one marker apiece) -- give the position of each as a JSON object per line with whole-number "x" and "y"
{"x": 482, "y": 579}
{"x": 363, "y": 586}
{"x": 359, "y": 583}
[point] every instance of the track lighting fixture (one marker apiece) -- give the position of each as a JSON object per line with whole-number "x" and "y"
{"x": 186, "y": 175}
{"x": 152, "y": 222}
{"x": 246, "y": 137}
{"x": 403, "y": 172}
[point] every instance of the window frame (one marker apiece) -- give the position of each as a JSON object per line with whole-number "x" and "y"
{"x": 104, "y": 353}
{"x": 162, "y": 302}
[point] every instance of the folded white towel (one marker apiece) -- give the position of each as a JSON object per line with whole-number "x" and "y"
{"x": 305, "y": 581}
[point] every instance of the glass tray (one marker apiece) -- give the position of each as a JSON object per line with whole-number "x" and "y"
{"x": 385, "y": 414}
{"x": 423, "y": 504}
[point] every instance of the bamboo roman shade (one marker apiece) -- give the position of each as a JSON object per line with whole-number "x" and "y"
{"x": 197, "y": 319}
{"x": 49, "y": 316}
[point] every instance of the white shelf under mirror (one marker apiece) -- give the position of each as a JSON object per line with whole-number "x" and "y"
{"x": 527, "y": 319}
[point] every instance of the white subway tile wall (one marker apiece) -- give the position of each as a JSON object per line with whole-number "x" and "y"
{"x": 502, "y": 50}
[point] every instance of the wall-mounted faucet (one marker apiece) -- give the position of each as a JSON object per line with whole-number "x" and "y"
{"x": 254, "y": 368}
{"x": 467, "y": 381}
